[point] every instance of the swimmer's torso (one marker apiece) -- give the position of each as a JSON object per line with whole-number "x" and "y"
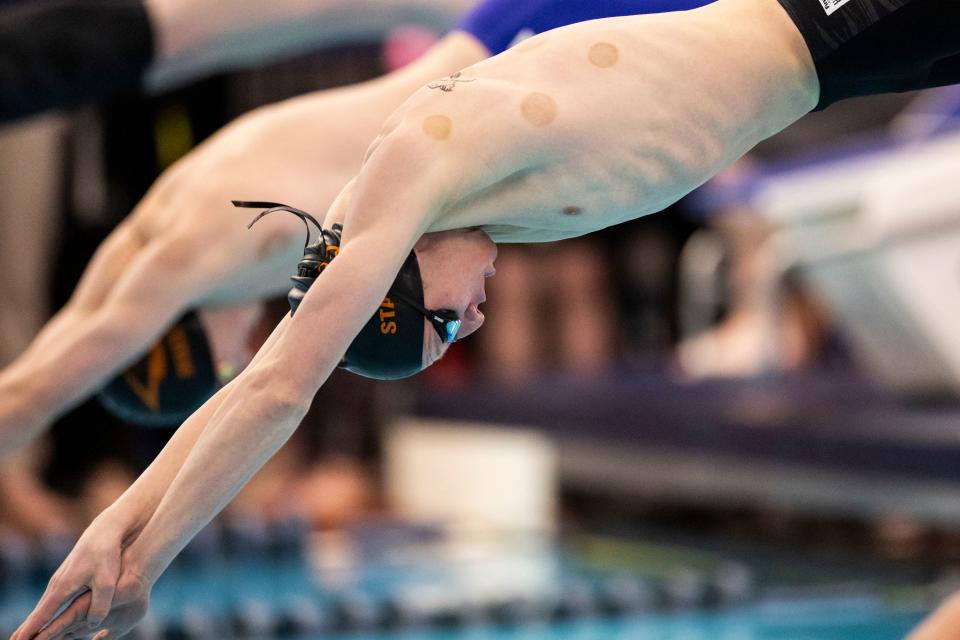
{"x": 561, "y": 169}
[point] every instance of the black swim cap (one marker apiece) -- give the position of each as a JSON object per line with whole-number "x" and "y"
{"x": 390, "y": 344}
{"x": 170, "y": 382}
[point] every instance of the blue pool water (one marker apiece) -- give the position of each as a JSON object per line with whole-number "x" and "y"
{"x": 823, "y": 621}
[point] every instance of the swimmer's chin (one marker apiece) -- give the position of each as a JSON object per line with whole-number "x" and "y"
{"x": 433, "y": 349}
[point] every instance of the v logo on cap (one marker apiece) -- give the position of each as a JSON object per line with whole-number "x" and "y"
{"x": 149, "y": 390}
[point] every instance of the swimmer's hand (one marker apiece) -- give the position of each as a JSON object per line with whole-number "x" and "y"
{"x": 131, "y": 600}
{"x": 87, "y": 581}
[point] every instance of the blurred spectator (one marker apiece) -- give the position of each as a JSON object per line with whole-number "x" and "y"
{"x": 765, "y": 325}
{"x": 31, "y": 181}
{"x": 550, "y": 308}
{"x": 581, "y": 307}
{"x": 740, "y": 319}
{"x": 26, "y": 504}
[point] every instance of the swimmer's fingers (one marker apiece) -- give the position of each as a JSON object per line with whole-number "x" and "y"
{"x": 102, "y": 589}
{"x": 68, "y": 621}
{"x": 56, "y": 596}
{"x": 129, "y": 606}
{"x": 92, "y": 569}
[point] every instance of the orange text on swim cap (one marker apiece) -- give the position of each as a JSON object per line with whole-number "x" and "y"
{"x": 180, "y": 350}
{"x": 387, "y": 311}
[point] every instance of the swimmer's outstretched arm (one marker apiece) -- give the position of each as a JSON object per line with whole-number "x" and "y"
{"x": 245, "y": 423}
{"x": 270, "y": 398}
{"x": 94, "y": 563}
{"x": 95, "y": 343}
{"x": 201, "y": 37}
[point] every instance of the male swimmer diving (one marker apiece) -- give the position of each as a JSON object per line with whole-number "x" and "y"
{"x": 185, "y": 249}
{"x": 572, "y": 131}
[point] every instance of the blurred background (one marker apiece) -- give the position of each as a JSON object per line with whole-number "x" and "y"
{"x": 737, "y": 418}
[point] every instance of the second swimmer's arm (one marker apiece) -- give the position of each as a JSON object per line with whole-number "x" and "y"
{"x": 164, "y": 279}
{"x": 194, "y": 38}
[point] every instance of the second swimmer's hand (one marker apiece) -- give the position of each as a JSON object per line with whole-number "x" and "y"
{"x": 85, "y": 583}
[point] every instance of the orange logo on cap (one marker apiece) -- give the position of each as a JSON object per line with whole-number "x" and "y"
{"x": 387, "y": 326}
{"x": 180, "y": 350}
{"x": 149, "y": 392}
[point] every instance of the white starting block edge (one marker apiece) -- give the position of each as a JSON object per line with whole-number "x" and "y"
{"x": 472, "y": 476}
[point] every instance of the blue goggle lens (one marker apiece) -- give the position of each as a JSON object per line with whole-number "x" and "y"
{"x": 453, "y": 328}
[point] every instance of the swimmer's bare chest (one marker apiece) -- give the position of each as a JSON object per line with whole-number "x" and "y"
{"x": 576, "y": 193}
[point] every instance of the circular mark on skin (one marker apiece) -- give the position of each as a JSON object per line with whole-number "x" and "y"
{"x": 138, "y": 231}
{"x": 572, "y": 211}
{"x": 437, "y": 127}
{"x": 603, "y": 55}
{"x": 539, "y": 109}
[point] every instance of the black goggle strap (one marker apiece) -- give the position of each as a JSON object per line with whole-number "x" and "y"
{"x": 439, "y": 318}
{"x": 273, "y": 207}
